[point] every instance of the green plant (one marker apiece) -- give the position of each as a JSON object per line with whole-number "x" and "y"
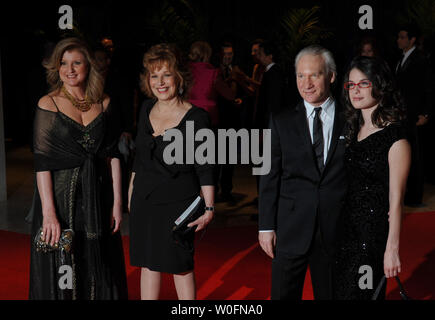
{"x": 300, "y": 27}
{"x": 180, "y": 22}
{"x": 420, "y": 12}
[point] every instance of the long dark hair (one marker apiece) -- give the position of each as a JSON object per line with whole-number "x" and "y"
{"x": 390, "y": 109}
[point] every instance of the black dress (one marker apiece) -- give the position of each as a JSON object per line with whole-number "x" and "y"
{"x": 77, "y": 156}
{"x": 364, "y": 220}
{"x": 161, "y": 193}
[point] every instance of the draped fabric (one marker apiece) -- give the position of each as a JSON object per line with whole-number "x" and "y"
{"x": 77, "y": 157}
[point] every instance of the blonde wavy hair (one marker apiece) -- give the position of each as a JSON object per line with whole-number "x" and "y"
{"x": 94, "y": 81}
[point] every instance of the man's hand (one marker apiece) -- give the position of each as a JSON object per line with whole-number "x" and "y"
{"x": 268, "y": 242}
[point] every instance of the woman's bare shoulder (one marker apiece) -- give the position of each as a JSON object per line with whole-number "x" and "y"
{"x": 47, "y": 102}
{"x": 106, "y": 101}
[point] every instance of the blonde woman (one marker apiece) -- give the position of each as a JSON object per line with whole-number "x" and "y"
{"x": 78, "y": 184}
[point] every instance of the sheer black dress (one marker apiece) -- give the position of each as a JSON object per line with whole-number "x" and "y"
{"x": 364, "y": 220}
{"x": 161, "y": 193}
{"x": 77, "y": 157}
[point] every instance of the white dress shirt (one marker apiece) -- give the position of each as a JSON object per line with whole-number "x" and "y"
{"x": 327, "y": 117}
{"x": 270, "y": 65}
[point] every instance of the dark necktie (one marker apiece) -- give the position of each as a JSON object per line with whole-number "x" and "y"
{"x": 399, "y": 67}
{"x": 227, "y": 72}
{"x": 318, "y": 139}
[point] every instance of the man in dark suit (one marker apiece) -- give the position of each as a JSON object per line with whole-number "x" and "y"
{"x": 229, "y": 117}
{"x": 270, "y": 97}
{"x": 301, "y": 198}
{"x": 415, "y": 82}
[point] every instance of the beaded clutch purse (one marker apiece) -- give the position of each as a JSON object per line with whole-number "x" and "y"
{"x": 64, "y": 244}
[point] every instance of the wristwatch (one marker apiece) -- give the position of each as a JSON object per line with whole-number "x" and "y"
{"x": 209, "y": 209}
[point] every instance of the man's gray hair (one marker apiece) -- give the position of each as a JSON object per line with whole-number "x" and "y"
{"x": 316, "y": 50}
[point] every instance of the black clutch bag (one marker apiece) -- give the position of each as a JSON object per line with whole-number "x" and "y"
{"x": 64, "y": 244}
{"x": 180, "y": 230}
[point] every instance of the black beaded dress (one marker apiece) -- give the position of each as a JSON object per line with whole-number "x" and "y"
{"x": 77, "y": 158}
{"x": 364, "y": 220}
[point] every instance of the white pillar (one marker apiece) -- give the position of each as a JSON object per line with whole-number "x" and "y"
{"x": 3, "y": 191}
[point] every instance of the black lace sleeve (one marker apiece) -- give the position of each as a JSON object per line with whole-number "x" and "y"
{"x": 112, "y": 134}
{"x": 203, "y": 171}
{"x": 51, "y": 152}
{"x": 143, "y": 112}
{"x": 396, "y": 132}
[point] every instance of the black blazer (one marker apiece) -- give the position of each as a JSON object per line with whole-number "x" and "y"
{"x": 416, "y": 84}
{"x": 294, "y": 193}
{"x": 270, "y": 96}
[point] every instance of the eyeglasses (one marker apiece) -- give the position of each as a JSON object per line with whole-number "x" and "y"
{"x": 362, "y": 85}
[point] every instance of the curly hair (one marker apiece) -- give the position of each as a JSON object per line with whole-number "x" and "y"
{"x": 159, "y": 55}
{"x": 200, "y": 51}
{"x": 94, "y": 81}
{"x": 390, "y": 108}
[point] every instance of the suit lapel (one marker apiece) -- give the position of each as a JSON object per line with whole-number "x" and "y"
{"x": 408, "y": 61}
{"x": 337, "y": 129}
{"x": 304, "y": 132}
{"x": 302, "y": 125}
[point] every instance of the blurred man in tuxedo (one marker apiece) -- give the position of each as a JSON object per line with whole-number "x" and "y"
{"x": 229, "y": 117}
{"x": 250, "y": 85}
{"x": 301, "y": 198}
{"x": 414, "y": 79}
{"x": 271, "y": 91}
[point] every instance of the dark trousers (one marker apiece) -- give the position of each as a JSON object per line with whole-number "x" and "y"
{"x": 427, "y": 133}
{"x": 223, "y": 173}
{"x": 224, "y": 178}
{"x": 415, "y": 183}
{"x": 288, "y": 273}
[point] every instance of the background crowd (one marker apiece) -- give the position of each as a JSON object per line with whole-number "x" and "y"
{"x": 121, "y": 33}
{"x": 239, "y": 79}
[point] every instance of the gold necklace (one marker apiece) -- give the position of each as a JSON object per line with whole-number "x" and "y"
{"x": 82, "y": 105}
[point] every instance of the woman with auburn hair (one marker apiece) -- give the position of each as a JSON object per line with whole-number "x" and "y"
{"x": 377, "y": 159}
{"x": 368, "y": 47}
{"x": 76, "y": 249}
{"x": 160, "y": 192}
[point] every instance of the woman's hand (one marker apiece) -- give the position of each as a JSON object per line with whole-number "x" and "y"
{"x": 50, "y": 228}
{"x": 202, "y": 221}
{"x": 130, "y": 189}
{"x": 392, "y": 265}
{"x": 115, "y": 221}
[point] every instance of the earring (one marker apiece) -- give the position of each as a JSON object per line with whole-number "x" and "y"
{"x": 180, "y": 91}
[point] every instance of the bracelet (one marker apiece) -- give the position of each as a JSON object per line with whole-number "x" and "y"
{"x": 209, "y": 208}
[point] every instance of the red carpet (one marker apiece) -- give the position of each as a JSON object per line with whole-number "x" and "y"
{"x": 231, "y": 265}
